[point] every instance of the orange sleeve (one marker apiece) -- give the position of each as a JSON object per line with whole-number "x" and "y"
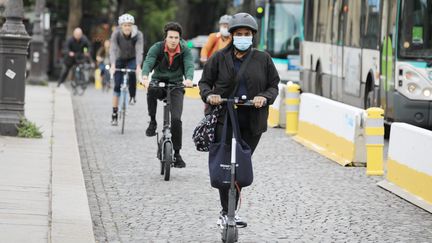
{"x": 207, "y": 48}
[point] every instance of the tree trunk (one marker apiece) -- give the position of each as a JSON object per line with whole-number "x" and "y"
{"x": 75, "y": 14}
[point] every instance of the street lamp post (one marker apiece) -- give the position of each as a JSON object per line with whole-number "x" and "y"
{"x": 13, "y": 51}
{"x": 38, "y": 50}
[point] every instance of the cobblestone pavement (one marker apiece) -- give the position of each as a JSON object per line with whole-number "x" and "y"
{"x": 297, "y": 195}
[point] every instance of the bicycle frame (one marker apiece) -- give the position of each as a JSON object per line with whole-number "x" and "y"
{"x": 166, "y": 130}
{"x": 124, "y": 89}
{"x": 124, "y": 94}
{"x": 79, "y": 78}
{"x": 166, "y": 157}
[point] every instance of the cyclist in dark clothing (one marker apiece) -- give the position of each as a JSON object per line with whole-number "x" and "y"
{"x": 77, "y": 46}
{"x": 259, "y": 83}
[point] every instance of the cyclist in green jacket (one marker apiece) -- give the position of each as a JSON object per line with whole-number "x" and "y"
{"x": 170, "y": 60}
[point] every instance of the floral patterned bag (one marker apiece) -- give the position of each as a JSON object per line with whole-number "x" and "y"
{"x": 204, "y": 133}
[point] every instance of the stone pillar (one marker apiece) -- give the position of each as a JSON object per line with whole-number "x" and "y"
{"x": 13, "y": 51}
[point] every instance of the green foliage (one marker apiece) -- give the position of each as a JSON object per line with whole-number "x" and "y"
{"x": 27, "y": 129}
{"x": 152, "y": 16}
{"x": 29, "y": 2}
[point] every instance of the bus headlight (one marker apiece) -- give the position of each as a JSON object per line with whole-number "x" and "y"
{"x": 412, "y": 76}
{"x": 427, "y": 92}
{"x": 412, "y": 87}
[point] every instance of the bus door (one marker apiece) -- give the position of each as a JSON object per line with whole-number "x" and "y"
{"x": 388, "y": 60}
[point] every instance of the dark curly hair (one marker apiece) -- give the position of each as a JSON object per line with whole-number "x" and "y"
{"x": 173, "y": 26}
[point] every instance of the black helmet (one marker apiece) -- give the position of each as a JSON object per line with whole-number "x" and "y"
{"x": 242, "y": 20}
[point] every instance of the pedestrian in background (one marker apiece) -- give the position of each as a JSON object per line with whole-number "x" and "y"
{"x": 217, "y": 41}
{"x": 102, "y": 56}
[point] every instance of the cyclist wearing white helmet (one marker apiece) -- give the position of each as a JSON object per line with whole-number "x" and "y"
{"x": 126, "y": 51}
{"x": 218, "y": 40}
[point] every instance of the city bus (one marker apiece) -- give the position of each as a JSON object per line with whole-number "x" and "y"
{"x": 371, "y": 53}
{"x": 280, "y": 35}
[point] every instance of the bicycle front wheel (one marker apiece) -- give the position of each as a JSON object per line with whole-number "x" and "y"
{"x": 123, "y": 113}
{"x": 167, "y": 160}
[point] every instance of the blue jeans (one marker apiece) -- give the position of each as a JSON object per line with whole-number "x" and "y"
{"x": 118, "y": 76}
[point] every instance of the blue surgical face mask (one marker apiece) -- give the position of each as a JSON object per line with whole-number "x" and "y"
{"x": 242, "y": 43}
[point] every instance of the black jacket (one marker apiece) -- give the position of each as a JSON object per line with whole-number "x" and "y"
{"x": 261, "y": 76}
{"x": 78, "y": 46}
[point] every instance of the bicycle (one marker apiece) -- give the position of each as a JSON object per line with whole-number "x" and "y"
{"x": 165, "y": 151}
{"x": 124, "y": 94}
{"x": 80, "y": 75}
{"x": 229, "y": 227}
{"x": 106, "y": 79}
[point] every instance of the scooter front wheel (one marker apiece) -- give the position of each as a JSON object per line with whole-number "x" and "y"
{"x": 230, "y": 234}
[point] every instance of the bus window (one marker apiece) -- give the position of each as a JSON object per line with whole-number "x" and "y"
{"x": 337, "y": 10}
{"x": 352, "y": 34}
{"x": 370, "y": 24}
{"x": 415, "y": 38}
{"x": 308, "y": 20}
{"x": 283, "y": 36}
{"x": 323, "y": 25}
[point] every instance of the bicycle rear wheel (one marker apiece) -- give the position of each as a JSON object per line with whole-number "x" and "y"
{"x": 167, "y": 160}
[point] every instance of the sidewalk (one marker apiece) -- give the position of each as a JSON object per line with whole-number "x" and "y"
{"x": 42, "y": 191}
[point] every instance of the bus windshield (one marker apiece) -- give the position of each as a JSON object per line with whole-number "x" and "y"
{"x": 283, "y": 35}
{"x": 415, "y": 29}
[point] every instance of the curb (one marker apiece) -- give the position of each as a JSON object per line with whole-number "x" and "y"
{"x": 71, "y": 218}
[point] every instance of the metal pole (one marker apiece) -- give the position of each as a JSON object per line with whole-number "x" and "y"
{"x": 13, "y": 51}
{"x": 38, "y": 72}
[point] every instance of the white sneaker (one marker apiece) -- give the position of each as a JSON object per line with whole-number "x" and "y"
{"x": 222, "y": 219}
{"x": 239, "y": 222}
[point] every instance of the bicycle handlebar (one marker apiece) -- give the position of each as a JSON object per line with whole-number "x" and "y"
{"x": 125, "y": 70}
{"x": 162, "y": 84}
{"x": 238, "y": 101}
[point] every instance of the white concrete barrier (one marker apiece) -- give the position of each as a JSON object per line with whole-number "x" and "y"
{"x": 409, "y": 164}
{"x": 332, "y": 129}
{"x": 277, "y": 116}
